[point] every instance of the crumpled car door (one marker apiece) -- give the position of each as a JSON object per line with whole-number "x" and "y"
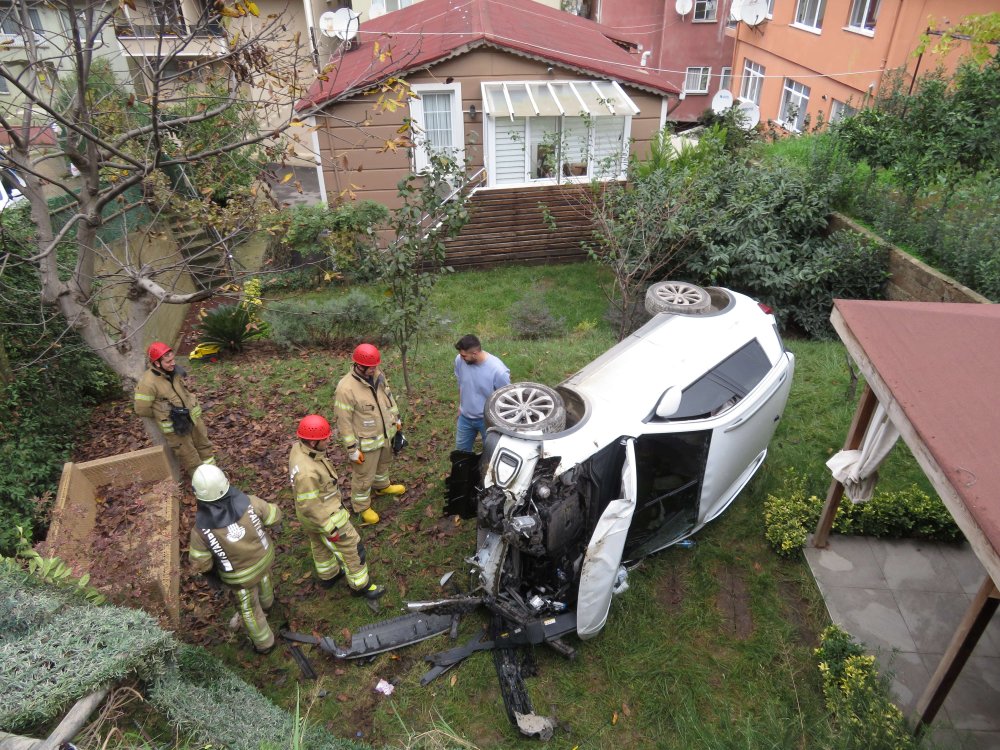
{"x": 604, "y": 553}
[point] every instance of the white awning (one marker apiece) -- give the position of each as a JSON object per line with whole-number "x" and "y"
{"x": 556, "y": 98}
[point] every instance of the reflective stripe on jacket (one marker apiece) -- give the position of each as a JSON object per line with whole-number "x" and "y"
{"x": 157, "y": 391}
{"x": 242, "y": 552}
{"x": 366, "y": 414}
{"x": 314, "y": 485}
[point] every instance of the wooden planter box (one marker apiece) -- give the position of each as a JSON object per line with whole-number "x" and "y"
{"x": 75, "y": 513}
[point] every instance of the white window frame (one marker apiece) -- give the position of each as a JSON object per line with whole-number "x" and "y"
{"x": 726, "y": 79}
{"x": 809, "y": 15}
{"x": 704, "y": 76}
{"x": 839, "y": 110}
{"x": 861, "y": 12}
{"x": 421, "y": 157}
{"x": 705, "y": 11}
{"x": 793, "y": 94}
{"x": 752, "y": 83}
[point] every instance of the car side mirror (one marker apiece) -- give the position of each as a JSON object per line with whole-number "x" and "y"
{"x": 670, "y": 401}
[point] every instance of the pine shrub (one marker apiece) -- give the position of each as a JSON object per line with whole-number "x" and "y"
{"x": 327, "y": 323}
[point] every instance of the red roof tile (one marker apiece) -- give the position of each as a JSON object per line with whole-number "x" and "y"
{"x": 433, "y": 30}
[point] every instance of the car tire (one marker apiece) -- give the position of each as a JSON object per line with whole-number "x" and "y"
{"x": 678, "y": 298}
{"x": 526, "y": 407}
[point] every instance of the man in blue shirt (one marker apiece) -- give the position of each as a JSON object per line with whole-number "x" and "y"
{"x": 478, "y": 373}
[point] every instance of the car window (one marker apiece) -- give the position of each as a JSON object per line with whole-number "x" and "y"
{"x": 669, "y": 473}
{"x": 723, "y": 386}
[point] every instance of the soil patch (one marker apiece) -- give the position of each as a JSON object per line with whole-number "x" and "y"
{"x": 670, "y": 591}
{"x": 733, "y": 602}
{"x": 796, "y": 609}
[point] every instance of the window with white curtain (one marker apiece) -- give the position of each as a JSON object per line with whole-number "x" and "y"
{"x": 436, "y": 122}
{"x": 696, "y": 80}
{"x": 809, "y": 13}
{"x": 864, "y": 14}
{"x": 794, "y": 104}
{"x": 839, "y": 110}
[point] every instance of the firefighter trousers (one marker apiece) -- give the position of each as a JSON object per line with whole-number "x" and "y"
{"x": 192, "y": 449}
{"x": 344, "y": 555}
{"x": 251, "y": 604}
{"x": 373, "y": 474}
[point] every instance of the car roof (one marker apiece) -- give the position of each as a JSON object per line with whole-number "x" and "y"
{"x": 670, "y": 350}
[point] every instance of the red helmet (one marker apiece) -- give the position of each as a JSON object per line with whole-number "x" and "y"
{"x": 156, "y": 350}
{"x": 313, "y": 427}
{"x": 366, "y": 355}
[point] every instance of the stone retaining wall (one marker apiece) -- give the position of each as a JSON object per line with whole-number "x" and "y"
{"x": 910, "y": 279}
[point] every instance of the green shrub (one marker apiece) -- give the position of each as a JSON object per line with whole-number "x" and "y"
{"x": 531, "y": 318}
{"x": 330, "y": 322}
{"x": 337, "y": 240}
{"x": 858, "y": 697}
{"x": 790, "y": 517}
{"x": 229, "y": 326}
{"x": 848, "y": 266}
{"x": 49, "y": 380}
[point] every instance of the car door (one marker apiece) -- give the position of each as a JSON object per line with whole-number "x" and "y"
{"x": 604, "y": 553}
{"x": 740, "y": 437}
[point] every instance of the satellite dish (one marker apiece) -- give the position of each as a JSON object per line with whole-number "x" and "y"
{"x": 341, "y": 24}
{"x": 734, "y": 10}
{"x": 752, "y": 12}
{"x": 683, "y": 7}
{"x": 749, "y": 114}
{"x": 722, "y": 101}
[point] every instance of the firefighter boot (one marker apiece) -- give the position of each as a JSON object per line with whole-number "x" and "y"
{"x": 392, "y": 489}
{"x": 371, "y": 591}
{"x": 369, "y": 517}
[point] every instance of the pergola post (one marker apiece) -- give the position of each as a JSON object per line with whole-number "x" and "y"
{"x": 859, "y": 426}
{"x": 974, "y": 622}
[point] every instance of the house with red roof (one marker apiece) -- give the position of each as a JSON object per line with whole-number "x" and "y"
{"x": 539, "y": 102}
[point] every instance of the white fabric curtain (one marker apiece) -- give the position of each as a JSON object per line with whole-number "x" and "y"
{"x": 857, "y": 470}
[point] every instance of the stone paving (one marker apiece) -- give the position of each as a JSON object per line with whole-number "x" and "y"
{"x": 903, "y": 599}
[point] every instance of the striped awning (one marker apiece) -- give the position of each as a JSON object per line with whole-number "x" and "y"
{"x": 556, "y": 99}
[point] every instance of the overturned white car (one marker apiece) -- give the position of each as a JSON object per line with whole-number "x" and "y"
{"x": 632, "y": 454}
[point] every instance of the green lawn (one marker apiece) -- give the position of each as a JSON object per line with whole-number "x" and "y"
{"x": 710, "y": 647}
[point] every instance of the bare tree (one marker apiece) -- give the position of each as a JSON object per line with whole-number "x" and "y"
{"x": 182, "y": 127}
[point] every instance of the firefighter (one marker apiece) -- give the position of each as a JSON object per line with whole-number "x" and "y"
{"x": 368, "y": 420}
{"x": 161, "y": 395}
{"x": 337, "y": 550}
{"x": 228, "y": 542}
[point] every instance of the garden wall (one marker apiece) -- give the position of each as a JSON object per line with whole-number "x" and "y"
{"x": 910, "y": 279}
{"x": 74, "y": 517}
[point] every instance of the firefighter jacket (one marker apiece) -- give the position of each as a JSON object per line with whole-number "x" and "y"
{"x": 229, "y": 535}
{"x": 314, "y": 485}
{"x": 366, "y": 412}
{"x": 157, "y": 391}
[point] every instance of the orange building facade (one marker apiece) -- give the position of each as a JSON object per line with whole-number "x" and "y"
{"x": 818, "y": 60}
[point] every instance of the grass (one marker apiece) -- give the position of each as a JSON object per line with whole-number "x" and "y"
{"x": 710, "y": 646}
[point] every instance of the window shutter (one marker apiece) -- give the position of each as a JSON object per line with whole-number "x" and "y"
{"x": 509, "y": 151}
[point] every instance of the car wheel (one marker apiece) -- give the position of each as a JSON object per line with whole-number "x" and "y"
{"x": 526, "y": 407}
{"x": 678, "y": 297}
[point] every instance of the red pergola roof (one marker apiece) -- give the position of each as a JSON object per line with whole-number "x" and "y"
{"x": 433, "y": 30}
{"x": 940, "y": 363}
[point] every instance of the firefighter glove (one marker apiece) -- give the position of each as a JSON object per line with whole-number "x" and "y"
{"x": 334, "y": 537}
{"x": 355, "y": 456}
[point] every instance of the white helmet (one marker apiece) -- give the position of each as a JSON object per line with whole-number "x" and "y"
{"x": 209, "y": 483}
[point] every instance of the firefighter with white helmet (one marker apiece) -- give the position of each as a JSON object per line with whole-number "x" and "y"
{"x": 161, "y": 394}
{"x": 337, "y": 550}
{"x": 229, "y": 542}
{"x": 368, "y": 420}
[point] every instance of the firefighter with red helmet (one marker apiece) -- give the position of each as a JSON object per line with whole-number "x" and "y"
{"x": 229, "y": 542}
{"x": 161, "y": 395}
{"x": 336, "y": 546}
{"x": 368, "y": 420}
